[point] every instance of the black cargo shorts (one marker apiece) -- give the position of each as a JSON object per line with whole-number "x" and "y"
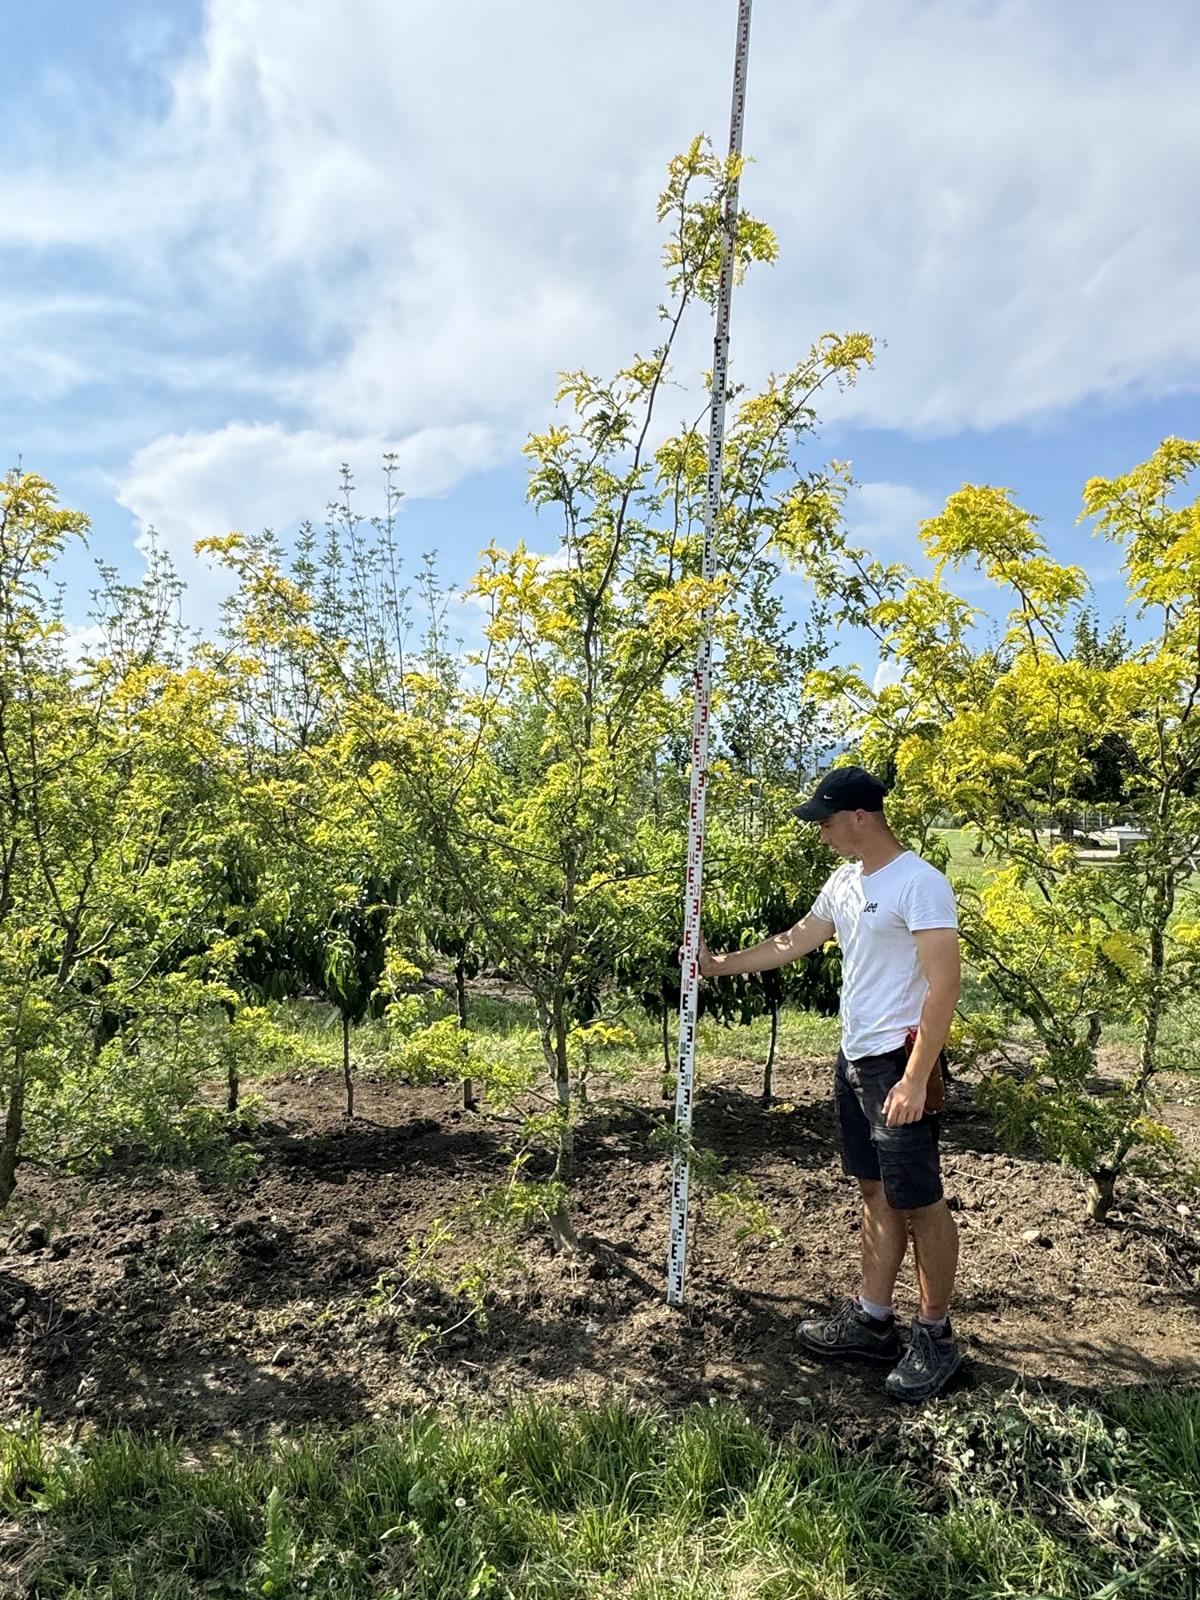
{"x": 906, "y": 1159}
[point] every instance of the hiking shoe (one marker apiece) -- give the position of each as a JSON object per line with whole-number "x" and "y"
{"x": 927, "y": 1366}
{"x": 850, "y": 1332}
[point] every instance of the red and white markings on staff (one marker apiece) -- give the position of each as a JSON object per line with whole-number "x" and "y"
{"x": 690, "y": 974}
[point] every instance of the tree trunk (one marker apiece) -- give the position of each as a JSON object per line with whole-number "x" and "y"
{"x": 14, "y": 1127}
{"x": 768, "y": 1089}
{"x": 347, "y": 1075}
{"x": 6, "y": 879}
{"x": 460, "y": 996}
{"x": 1101, "y": 1192}
{"x": 231, "y": 1099}
{"x": 565, "y": 1165}
{"x": 562, "y": 1231}
{"x": 1147, "y": 1055}
{"x": 460, "y": 990}
{"x": 1103, "y": 1183}
{"x": 554, "y": 1048}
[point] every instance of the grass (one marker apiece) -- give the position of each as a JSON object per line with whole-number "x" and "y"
{"x": 504, "y": 1032}
{"x": 964, "y": 866}
{"x": 1019, "y": 1497}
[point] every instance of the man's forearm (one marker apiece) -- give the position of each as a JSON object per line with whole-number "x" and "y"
{"x": 770, "y": 953}
{"x": 762, "y": 957}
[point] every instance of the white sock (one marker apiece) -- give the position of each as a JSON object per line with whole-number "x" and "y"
{"x": 937, "y": 1328}
{"x": 874, "y": 1309}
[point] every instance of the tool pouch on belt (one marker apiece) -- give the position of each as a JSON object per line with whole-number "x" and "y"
{"x": 935, "y": 1088}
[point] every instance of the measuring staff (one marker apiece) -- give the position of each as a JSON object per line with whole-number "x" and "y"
{"x": 688, "y": 999}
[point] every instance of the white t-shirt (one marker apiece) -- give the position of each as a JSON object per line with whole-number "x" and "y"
{"x": 876, "y": 915}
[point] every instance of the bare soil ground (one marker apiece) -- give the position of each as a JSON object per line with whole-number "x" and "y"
{"x": 161, "y": 1300}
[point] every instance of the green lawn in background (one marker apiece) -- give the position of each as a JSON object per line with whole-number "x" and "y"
{"x": 504, "y": 1028}
{"x": 964, "y": 866}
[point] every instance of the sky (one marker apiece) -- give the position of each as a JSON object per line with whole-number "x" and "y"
{"x": 241, "y": 243}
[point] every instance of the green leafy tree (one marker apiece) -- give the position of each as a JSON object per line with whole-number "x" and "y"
{"x": 757, "y": 887}
{"x": 520, "y": 786}
{"x": 1004, "y": 732}
{"x": 539, "y": 815}
{"x": 114, "y": 803}
{"x": 315, "y": 651}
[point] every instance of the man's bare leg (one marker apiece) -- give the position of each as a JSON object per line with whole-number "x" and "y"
{"x": 884, "y": 1241}
{"x": 935, "y": 1249}
{"x": 848, "y": 1331}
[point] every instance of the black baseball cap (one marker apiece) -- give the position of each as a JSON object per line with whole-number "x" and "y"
{"x": 843, "y": 789}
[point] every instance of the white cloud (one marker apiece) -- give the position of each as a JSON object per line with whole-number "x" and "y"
{"x": 28, "y": 327}
{"x": 887, "y": 673}
{"x": 405, "y": 218}
{"x": 80, "y": 640}
{"x": 884, "y": 516}
{"x": 250, "y": 476}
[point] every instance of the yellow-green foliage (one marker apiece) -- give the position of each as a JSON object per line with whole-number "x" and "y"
{"x": 1015, "y": 736}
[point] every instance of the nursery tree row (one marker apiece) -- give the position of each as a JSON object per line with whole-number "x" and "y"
{"x": 332, "y": 797}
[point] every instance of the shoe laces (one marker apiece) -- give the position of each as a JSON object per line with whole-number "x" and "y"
{"x": 921, "y": 1351}
{"x": 847, "y": 1314}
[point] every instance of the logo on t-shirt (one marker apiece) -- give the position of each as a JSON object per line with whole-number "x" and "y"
{"x": 871, "y": 905}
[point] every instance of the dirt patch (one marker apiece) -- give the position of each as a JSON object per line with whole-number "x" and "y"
{"x": 161, "y": 1300}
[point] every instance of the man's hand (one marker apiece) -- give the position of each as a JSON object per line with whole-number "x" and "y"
{"x": 904, "y": 1103}
{"x": 705, "y": 960}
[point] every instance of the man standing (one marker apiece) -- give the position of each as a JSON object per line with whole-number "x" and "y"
{"x": 895, "y": 919}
